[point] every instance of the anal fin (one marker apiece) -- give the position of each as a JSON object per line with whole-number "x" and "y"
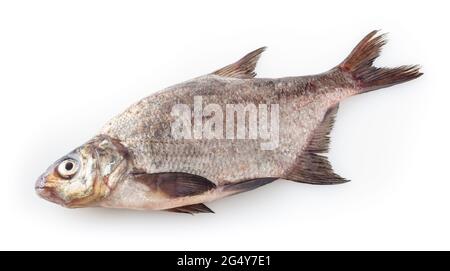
{"x": 247, "y": 185}
{"x": 312, "y": 167}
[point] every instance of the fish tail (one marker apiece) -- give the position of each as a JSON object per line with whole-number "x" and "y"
{"x": 360, "y": 66}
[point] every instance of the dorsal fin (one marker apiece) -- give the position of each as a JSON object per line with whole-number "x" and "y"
{"x": 244, "y": 68}
{"x": 311, "y": 167}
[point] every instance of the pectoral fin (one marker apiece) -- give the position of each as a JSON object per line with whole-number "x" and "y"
{"x": 175, "y": 184}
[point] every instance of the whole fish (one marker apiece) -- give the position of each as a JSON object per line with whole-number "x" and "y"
{"x": 217, "y": 135}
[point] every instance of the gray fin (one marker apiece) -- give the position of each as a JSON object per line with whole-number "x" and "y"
{"x": 359, "y": 64}
{"x": 247, "y": 185}
{"x": 311, "y": 167}
{"x": 175, "y": 184}
{"x": 191, "y": 209}
{"x": 244, "y": 68}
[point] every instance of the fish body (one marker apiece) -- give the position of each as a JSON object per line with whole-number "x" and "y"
{"x": 217, "y": 135}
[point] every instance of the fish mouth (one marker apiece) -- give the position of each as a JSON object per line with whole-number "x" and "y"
{"x": 47, "y": 193}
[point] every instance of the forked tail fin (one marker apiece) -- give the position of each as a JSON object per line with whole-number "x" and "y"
{"x": 359, "y": 65}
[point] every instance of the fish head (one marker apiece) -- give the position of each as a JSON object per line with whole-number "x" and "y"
{"x": 86, "y": 175}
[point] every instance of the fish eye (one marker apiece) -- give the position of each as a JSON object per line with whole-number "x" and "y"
{"x": 68, "y": 168}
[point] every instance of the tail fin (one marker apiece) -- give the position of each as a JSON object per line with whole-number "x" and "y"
{"x": 359, "y": 65}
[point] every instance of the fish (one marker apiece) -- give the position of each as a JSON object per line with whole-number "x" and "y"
{"x": 217, "y": 135}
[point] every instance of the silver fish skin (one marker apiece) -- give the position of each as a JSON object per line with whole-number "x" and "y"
{"x": 136, "y": 162}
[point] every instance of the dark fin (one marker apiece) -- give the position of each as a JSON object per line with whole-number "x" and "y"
{"x": 311, "y": 167}
{"x": 191, "y": 209}
{"x": 320, "y": 140}
{"x": 359, "y": 65}
{"x": 247, "y": 185}
{"x": 244, "y": 68}
{"x": 175, "y": 184}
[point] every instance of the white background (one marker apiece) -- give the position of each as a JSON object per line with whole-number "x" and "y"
{"x": 66, "y": 67}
